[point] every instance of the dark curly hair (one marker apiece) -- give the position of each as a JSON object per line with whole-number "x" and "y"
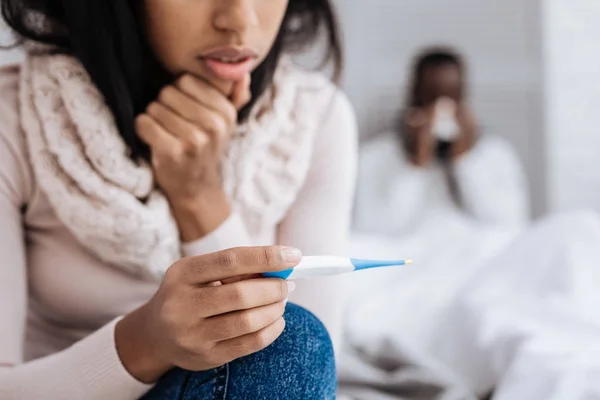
{"x": 106, "y": 37}
{"x": 431, "y": 58}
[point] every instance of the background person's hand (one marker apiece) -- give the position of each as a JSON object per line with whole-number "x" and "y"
{"x": 188, "y": 128}
{"x": 420, "y": 142}
{"x": 204, "y": 316}
{"x": 468, "y": 132}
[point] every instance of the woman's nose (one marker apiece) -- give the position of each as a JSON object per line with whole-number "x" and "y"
{"x": 235, "y": 15}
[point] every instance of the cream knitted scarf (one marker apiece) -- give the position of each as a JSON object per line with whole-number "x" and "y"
{"x": 82, "y": 165}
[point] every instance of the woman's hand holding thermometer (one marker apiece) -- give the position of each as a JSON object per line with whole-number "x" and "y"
{"x": 317, "y": 266}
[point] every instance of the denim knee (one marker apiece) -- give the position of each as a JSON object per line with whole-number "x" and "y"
{"x": 305, "y": 334}
{"x": 300, "y": 364}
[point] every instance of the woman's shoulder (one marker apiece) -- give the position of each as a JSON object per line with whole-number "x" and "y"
{"x": 313, "y": 92}
{"x": 304, "y": 78}
{"x": 14, "y": 163}
{"x": 311, "y": 109}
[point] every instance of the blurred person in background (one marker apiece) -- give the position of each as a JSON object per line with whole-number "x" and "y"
{"x": 440, "y": 191}
{"x": 438, "y": 160}
{"x": 138, "y": 132}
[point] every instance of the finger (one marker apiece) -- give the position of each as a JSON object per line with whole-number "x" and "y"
{"x": 155, "y": 136}
{"x": 239, "y": 261}
{"x": 244, "y": 295}
{"x": 241, "y": 94}
{"x": 429, "y": 113}
{"x": 225, "y": 87}
{"x": 249, "y": 344}
{"x": 240, "y": 323}
{"x": 417, "y": 118}
{"x": 241, "y": 278}
{"x": 208, "y": 95}
{"x": 178, "y": 126}
{"x": 207, "y": 120}
{"x": 189, "y": 107}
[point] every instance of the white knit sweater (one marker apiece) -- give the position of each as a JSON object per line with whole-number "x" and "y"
{"x": 290, "y": 176}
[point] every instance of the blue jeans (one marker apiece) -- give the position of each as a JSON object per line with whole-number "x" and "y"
{"x": 299, "y": 365}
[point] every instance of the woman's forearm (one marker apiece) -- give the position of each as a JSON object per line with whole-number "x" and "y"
{"x": 90, "y": 369}
{"x": 200, "y": 217}
{"x": 136, "y": 348}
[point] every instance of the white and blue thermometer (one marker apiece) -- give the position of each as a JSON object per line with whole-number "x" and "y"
{"x": 314, "y": 267}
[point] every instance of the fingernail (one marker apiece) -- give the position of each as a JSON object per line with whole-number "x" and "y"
{"x": 291, "y": 255}
{"x": 285, "y": 302}
{"x": 291, "y": 286}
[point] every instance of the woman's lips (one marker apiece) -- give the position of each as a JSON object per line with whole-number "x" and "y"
{"x": 229, "y": 71}
{"x": 230, "y": 63}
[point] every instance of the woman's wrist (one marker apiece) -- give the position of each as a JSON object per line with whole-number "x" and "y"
{"x": 136, "y": 348}
{"x": 200, "y": 216}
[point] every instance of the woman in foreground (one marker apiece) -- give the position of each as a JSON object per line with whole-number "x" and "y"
{"x": 138, "y": 132}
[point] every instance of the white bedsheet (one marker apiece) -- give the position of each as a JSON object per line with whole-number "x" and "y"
{"x": 477, "y": 312}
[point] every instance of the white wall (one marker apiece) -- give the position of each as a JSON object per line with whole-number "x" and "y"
{"x": 501, "y": 40}
{"x": 572, "y": 102}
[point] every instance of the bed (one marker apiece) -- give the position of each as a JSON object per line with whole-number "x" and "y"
{"x": 482, "y": 309}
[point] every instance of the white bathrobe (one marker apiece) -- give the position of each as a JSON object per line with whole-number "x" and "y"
{"x": 394, "y": 197}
